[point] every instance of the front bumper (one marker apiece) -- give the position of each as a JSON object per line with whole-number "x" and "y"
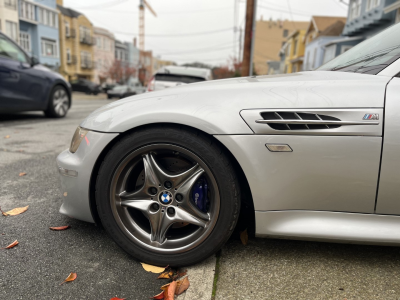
{"x": 75, "y": 171}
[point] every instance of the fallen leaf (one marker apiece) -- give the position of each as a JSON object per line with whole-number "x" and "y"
{"x": 65, "y": 194}
{"x": 60, "y": 228}
{"x": 22, "y": 174}
{"x": 165, "y": 286}
{"x": 159, "y": 296}
{"x": 182, "y": 285}
{"x": 12, "y": 245}
{"x": 116, "y": 298}
{"x": 15, "y": 211}
{"x": 7, "y": 137}
{"x": 71, "y": 277}
{"x": 166, "y": 275}
{"x": 153, "y": 269}
{"x": 169, "y": 294}
{"x": 244, "y": 237}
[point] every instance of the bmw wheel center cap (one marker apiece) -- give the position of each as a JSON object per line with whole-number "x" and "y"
{"x": 165, "y": 198}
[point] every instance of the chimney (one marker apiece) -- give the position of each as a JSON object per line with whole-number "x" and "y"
{"x": 60, "y": 2}
{"x": 134, "y": 42}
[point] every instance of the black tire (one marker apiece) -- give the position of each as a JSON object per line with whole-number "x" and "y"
{"x": 216, "y": 160}
{"x": 58, "y": 103}
{"x": 109, "y": 97}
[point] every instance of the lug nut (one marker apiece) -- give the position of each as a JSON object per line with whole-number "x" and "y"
{"x": 179, "y": 197}
{"x": 155, "y": 206}
{"x": 168, "y": 184}
{"x": 152, "y": 191}
{"x": 171, "y": 210}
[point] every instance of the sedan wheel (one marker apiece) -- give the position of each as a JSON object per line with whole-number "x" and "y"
{"x": 166, "y": 199}
{"x": 58, "y": 104}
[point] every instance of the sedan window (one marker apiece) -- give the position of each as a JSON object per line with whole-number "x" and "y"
{"x": 9, "y": 50}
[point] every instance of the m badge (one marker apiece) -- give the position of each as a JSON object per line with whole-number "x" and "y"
{"x": 371, "y": 117}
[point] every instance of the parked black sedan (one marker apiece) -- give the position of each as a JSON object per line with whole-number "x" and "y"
{"x": 85, "y": 86}
{"x": 26, "y": 85}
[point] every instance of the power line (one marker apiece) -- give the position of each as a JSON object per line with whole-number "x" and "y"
{"x": 166, "y": 12}
{"x": 284, "y": 11}
{"x": 103, "y": 5}
{"x": 177, "y": 35}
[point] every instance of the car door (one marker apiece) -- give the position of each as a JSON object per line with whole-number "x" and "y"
{"x": 22, "y": 86}
{"x": 388, "y": 200}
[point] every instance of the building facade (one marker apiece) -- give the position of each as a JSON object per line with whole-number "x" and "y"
{"x": 9, "y": 21}
{"x": 269, "y": 38}
{"x": 38, "y": 35}
{"x": 104, "y": 54}
{"x": 320, "y": 32}
{"x": 77, "y": 44}
{"x": 294, "y": 52}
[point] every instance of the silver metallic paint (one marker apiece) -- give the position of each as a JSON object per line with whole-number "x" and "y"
{"x": 388, "y": 201}
{"x": 76, "y": 202}
{"x": 334, "y": 173}
{"x": 329, "y": 226}
{"x": 251, "y": 117}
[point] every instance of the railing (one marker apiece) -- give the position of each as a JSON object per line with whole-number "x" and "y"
{"x": 71, "y": 33}
{"x": 12, "y": 4}
{"x": 87, "y": 64}
{"x": 73, "y": 60}
{"x": 89, "y": 40}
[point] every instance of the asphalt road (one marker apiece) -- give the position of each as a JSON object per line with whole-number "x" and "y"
{"x": 44, "y": 258}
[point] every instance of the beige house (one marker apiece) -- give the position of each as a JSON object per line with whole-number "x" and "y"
{"x": 104, "y": 54}
{"x": 270, "y": 37}
{"x": 9, "y": 21}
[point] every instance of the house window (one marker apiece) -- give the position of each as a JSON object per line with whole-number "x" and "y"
{"x": 49, "y": 48}
{"x": 98, "y": 42}
{"x": 371, "y": 4}
{"x": 11, "y": 30}
{"x": 355, "y": 9}
{"x": 69, "y": 59}
{"x": 295, "y": 47}
{"x": 84, "y": 34}
{"x": 27, "y": 11}
{"x": 67, "y": 29}
{"x": 330, "y": 52}
{"x": 314, "y": 59}
{"x": 12, "y": 4}
{"x": 285, "y": 33}
{"x": 288, "y": 48}
{"x": 86, "y": 59}
{"x": 106, "y": 45}
{"x": 25, "y": 41}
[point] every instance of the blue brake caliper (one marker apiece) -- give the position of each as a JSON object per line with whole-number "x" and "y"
{"x": 199, "y": 194}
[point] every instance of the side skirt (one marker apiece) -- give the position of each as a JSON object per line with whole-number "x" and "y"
{"x": 329, "y": 226}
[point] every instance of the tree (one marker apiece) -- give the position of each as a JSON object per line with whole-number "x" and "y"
{"x": 120, "y": 71}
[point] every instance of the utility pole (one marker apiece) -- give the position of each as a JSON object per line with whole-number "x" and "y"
{"x": 249, "y": 34}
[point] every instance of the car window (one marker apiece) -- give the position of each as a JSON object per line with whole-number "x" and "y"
{"x": 370, "y": 56}
{"x": 10, "y": 50}
{"x": 178, "y": 78}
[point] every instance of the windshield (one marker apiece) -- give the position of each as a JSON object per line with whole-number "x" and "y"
{"x": 370, "y": 56}
{"x": 178, "y": 78}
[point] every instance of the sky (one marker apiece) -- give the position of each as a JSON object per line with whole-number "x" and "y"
{"x": 195, "y": 30}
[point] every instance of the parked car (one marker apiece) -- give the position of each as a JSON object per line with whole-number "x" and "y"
{"x": 171, "y": 76}
{"x": 85, "y": 86}
{"x": 107, "y": 86}
{"x": 311, "y": 155}
{"x": 26, "y": 85}
{"x": 122, "y": 91}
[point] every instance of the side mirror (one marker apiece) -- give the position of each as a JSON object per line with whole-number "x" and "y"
{"x": 34, "y": 61}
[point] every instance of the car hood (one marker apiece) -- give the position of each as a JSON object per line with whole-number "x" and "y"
{"x": 214, "y": 106}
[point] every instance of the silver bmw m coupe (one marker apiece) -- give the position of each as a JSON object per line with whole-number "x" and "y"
{"x": 311, "y": 155}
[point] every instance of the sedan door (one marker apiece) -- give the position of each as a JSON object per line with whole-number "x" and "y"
{"x": 22, "y": 86}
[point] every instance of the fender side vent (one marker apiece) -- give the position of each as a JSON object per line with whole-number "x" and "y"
{"x": 298, "y": 121}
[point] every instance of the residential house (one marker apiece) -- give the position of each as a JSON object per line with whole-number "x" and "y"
{"x": 38, "y": 35}
{"x": 76, "y": 44}
{"x": 121, "y": 53}
{"x": 9, "y": 22}
{"x": 393, "y": 7}
{"x": 294, "y": 52}
{"x": 104, "y": 54}
{"x": 365, "y": 19}
{"x": 146, "y": 66}
{"x": 320, "y": 31}
{"x": 270, "y": 36}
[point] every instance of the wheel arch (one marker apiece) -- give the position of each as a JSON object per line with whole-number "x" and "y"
{"x": 247, "y": 213}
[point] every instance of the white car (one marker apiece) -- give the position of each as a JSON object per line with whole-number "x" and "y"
{"x": 171, "y": 76}
{"x": 311, "y": 155}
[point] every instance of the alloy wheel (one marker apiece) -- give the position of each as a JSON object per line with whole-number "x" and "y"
{"x": 60, "y": 102}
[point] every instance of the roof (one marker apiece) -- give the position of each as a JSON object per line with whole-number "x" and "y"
{"x": 68, "y": 11}
{"x": 102, "y": 31}
{"x": 198, "y": 72}
{"x": 321, "y": 23}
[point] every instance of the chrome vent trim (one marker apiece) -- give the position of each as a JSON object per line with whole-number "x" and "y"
{"x": 287, "y": 120}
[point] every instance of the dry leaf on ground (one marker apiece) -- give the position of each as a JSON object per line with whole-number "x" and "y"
{"x": 182, "y": 285}
{"x": 244, "y": 237}
{"x": 153, "y": 269}
{"x": 71, "y": 277}
{"x": 22, "y": 174}
{"x": 7, "y": 137}
{"x": 116, "y": 298}
{"x": 12, "y": 245}
{"x": 15, "y": 211}
{"x": 159, "y": 296}
{"x": 170, "y": 292}
{"x": 60, "y": 228}
{"x": 166, "y": 275}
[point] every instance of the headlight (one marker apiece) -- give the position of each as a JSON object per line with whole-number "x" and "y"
{"x": 79, "y": 135}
